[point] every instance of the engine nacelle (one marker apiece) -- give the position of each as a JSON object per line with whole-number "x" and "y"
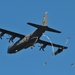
{"x": 60, "y": 49}
{"x": 11, "y": 38}
{"x": 43, "y": 46}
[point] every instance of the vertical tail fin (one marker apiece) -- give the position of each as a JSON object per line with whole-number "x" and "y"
{"x": 44, "y": 23}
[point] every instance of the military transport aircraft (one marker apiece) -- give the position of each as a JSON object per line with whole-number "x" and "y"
{"x": 33, "y": 38}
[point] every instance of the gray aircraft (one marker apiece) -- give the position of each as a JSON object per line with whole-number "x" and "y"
{"x": 33, "y": 38}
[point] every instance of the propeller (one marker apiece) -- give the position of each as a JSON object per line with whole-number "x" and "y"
{"x": 11, "y": 38}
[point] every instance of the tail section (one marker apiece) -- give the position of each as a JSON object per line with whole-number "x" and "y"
{"x": 46, "y": 28}
{"x": 44, "y": 23}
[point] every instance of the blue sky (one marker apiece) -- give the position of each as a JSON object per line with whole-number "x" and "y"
{"x": 14, "y": 15}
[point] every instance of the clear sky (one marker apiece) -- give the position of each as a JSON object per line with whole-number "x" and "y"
{"x": 14, "y": 15}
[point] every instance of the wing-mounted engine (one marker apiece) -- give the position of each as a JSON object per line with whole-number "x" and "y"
{"x": 1, "y": 34}
{"x": 60, "y": 49}
{"x": 11, "y": 38}
{"x": 43, "y": 46}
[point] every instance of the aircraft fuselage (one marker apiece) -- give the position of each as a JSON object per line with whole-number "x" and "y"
{"x": 27, "y": 41}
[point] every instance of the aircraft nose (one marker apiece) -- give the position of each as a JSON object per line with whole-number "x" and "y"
{"x": 10, "y": 50}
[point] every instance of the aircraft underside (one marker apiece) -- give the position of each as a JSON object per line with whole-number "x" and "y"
{"x": 16, "y": 48}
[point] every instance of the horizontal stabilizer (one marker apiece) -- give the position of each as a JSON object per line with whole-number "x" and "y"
{"x": 34, "y": 25}
{"x": 52, "y": 30}
{"x": 44, "y": 27}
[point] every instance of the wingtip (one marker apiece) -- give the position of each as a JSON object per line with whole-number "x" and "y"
{"x": 65, "y": 47}
{"x": 28, "y": 22}
{"x": 59, "y": 31}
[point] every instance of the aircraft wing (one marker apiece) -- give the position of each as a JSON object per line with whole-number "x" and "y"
{"x": 13, "y": 34}
{"x": 50, "y": 44}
